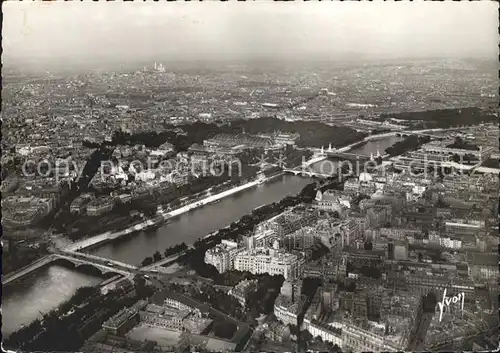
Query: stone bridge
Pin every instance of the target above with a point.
(103, 265)
(98, 260)
(27, 269)
(308, 173)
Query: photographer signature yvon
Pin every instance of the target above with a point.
(446, 302)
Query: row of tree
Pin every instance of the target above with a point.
(445, 118)
(459, 143)
(312, 133)
(410, 143)
(157, 256)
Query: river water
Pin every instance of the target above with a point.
(374, 145)
(48, 287)
(38, 293)
(192, 225)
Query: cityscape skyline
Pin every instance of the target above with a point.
(266, 176)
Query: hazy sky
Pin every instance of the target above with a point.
(261, 29)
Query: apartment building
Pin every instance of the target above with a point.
(272, 261)
(222, 255)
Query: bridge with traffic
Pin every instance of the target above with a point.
(305, 168)
(27, 269)
(305, 172)
(98, 260)
(104, 266)
(79, 259)
(90, 241)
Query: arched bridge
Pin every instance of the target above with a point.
(104, 268)
(335, 151)
(27, 269)
(305, 172)
(342, 152)
(420, 134)
(77, 259)
(98, 260)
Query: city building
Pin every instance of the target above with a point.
(122, 322)
(159, 316)
(242, 289)
(361, 335)
(302, 239)
(483, 266)
(78, 206)
(190, 320)
(328, 333)
(100, 206)
(272, 261)
(289, 222)
(400, 250)
(463, 227)
(233, 140)
(332, 201)
(439, 148)
(422, 282)
(398, 233)
(24, 211)
(425, 311)
(275, 331)
(262, 237)
(450, 242)
(286, 311)
(162, 150)
(179, 302)
(292, 289)
(222, 255)
(359, 258)
(286, 138)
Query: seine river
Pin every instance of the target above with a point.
(192, 225)
(44, 290)
(374, 145)
(38, 293)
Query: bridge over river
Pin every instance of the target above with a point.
(306, 170)
(78, 259)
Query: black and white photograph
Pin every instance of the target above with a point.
(259, 176)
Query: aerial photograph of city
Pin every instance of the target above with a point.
(250, 176)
